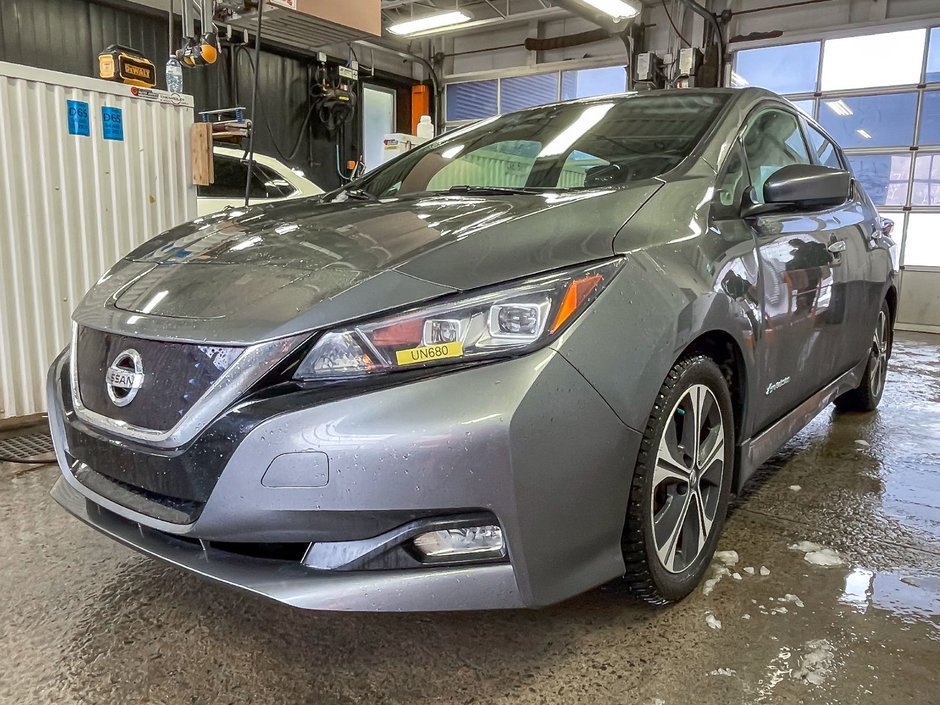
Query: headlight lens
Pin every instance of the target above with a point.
(512, 319)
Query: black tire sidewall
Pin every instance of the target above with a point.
(674, 586)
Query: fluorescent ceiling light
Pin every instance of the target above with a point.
(839, 107)
(617, 9)
(430, 22)
(864, 134)
(571, 134)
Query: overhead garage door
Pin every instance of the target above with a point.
(879, 96)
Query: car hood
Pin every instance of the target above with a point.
(248, 275)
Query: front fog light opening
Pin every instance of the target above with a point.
(471, 543)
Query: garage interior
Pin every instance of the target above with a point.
(826, 588)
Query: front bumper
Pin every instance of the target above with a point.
(527, 441)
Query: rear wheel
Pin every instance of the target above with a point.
(867, 395)
(681, 484)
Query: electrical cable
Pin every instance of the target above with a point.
(21, 461)
(674, 28)
(267, 121)
(254, 102)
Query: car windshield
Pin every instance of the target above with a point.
(570, 146)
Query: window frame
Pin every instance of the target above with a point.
(808, 125)
(752, 117)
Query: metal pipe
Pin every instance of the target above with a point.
(781, 6)
(169, 36)
(720, 42)
(435, 80)
(254, 105)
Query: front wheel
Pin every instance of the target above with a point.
(867, 395)
(681, 483)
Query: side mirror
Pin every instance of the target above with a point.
(801, 187)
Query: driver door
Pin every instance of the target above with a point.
(802, 264)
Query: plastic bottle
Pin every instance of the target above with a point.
(425, 127)
(174, 75)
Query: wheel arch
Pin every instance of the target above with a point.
(891, 297)
(722, 347)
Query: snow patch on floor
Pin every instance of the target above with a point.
(816, 662)
(790, 597)
(862, 443)
(723, 672)
(764, 570)
(709, 585)
(749, 570)
(712, 621)
(737, 576)
(817, 555)
(795, 488)
(727, 558)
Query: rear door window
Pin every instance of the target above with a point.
(231, 175)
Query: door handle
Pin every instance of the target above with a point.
(837, 246)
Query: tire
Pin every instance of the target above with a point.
(663, 550)
(867, 395)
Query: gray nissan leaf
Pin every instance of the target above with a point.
(532, 356)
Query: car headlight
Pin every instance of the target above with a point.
(513, 319)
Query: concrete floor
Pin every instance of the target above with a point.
(84, 620)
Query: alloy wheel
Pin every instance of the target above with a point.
(687, 478)
(879, 355)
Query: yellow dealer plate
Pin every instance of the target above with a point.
(429, 353)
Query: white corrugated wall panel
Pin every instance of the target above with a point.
(74, 205)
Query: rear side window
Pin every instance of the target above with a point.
(772, 141)
(823, 150)
(230, 177)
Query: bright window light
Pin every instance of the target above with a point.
(431, 22)
(571, 134)
(889, 59)
(839, 107)
(615, 8)
(738, 81)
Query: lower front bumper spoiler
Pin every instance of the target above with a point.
(411, 590)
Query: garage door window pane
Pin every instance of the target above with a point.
(471, 101)
(933, 56)
(922, 243)
(591, 82)
(791, 68)
(527, 91)
(883, 176)
(926, 180)
(870, 121)
(930, 118)
(889, 59)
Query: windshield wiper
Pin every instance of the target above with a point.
(495, 190)
(358, 194)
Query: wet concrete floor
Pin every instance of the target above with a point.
(83, 620)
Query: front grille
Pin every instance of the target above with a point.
(176, 375)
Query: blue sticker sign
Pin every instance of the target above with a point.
(79, 123)
(112, 124)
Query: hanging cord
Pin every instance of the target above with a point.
(674, 28)
(290, 156)
(254, 102)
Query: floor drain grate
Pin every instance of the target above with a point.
(31, 446)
